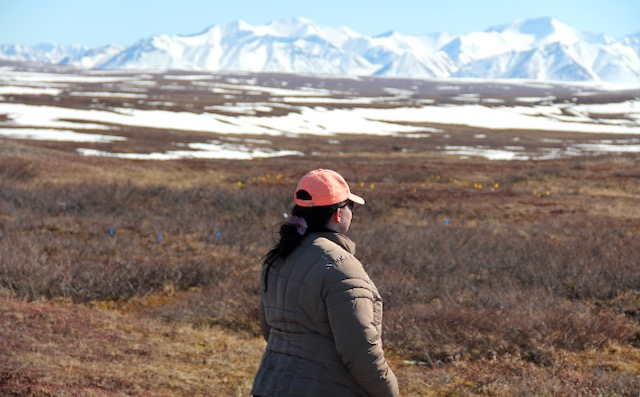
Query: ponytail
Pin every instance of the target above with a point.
(292, 232)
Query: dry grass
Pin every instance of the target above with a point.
(499, 278)
(56, 348)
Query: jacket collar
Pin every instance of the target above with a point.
(339, 239)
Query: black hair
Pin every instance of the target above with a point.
(316, 218)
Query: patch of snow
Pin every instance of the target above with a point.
(372, 121)
(398, 91)
(492, 100)
(186, 77)
(49, 116)
(212, 150)
(109, 94)
(18, 90)
(608, 148)
(491, 154)
(535, 99)
(306, 91)
(56, 135)
(631, 108)
(240, 108)
(158, 103)
(494, 118)
(64, 78)
(467, 98)
(361, 100)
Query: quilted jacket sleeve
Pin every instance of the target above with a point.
(266, 329)
(355, 315)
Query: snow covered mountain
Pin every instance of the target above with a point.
(541, 49)
(55, 53)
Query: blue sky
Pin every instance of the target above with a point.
(98, 22)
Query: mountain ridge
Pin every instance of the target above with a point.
(538, 48)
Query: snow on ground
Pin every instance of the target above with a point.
(303, 92)
(50, 117)
(520, 118)
(324, 99)
(630, 108)
(318, 121)
(109, 94)
(211, 150)
(240, 108)
(323, 121)
(535, 99)
(18, 76)
(491, 154)
(611, 148)
(309, 121)
(304, 117)
(47, 134)
(20, 90)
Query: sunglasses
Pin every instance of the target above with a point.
(347, 203)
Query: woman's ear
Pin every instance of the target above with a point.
(337, 216)
(335, 219)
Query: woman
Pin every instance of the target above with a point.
(320, 312)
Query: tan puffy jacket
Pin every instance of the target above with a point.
(321, 316)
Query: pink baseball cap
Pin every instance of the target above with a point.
(323, 188)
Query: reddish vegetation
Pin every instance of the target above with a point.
(500, 278)
(55, 349)
(134, 278)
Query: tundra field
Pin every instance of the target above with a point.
(508, 257)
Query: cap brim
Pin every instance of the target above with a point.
(356, 199)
